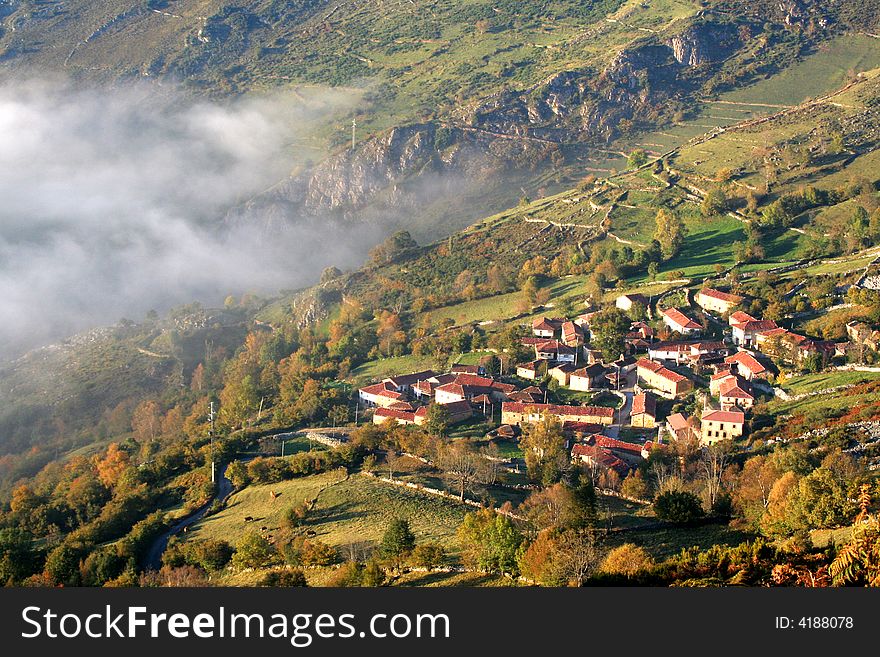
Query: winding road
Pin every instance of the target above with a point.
(153, 560)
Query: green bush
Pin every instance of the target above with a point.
(678, 507)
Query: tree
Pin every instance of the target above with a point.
(609, 329)
(145, 420)
(490, 541)
(437, 419)
(678, 507)
(428, 555)
(544, 447)
(821, 500)
(397, 542)
(714, 203)
(670, 233)
(462, 466)
(18, 559)
(713, 461)
(560, 558)
(253, 551)
(392, 248)
(585, 513)
(529, 292)
(638, 158)
(62, 565)
(548, 508)
(338, 415)
(635, 485)
(753, 486)
(628, 560)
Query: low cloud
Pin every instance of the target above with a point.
(112, 203)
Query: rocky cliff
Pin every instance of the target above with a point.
(504, 135)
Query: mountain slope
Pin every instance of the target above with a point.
(491, 92)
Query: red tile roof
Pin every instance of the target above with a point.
(735, 390)
(612, 443)
(589, 372)
(756, 325)
(661, 371)
(671, 346)
(739, 317)
(407, 416)
(545, 324)
(784, 334)
(581, 427)
(410, 379)
(458, 409)
(383, 389)
(678, 421)
(748, 361)
(679, 318)
(601, 456)
(735, 417)
(645, 403)
(721, 296)
(555, 409)
(452, 388)
(553, 346)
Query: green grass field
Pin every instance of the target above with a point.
(824, 380)
(385, 367)
(360, 509)
(818, 73)
(824, 407)
(667, 542)
(255, 501)
(353, 510)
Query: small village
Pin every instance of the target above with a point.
(693, 374)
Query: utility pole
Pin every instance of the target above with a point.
(213, 465)
(353, 128)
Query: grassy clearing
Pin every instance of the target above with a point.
(255, 501)
(359, 510)
(825, 406)
(385, 367)
(348, 511)
(813, 382)
(667, 542)
(818, 73)
(499, 307)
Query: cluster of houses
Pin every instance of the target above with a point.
(405, 399)
(665, 369)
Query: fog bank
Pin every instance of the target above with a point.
(111, 203)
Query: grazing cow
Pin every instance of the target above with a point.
(311, 532)
(248, 518)
(264, 528)
(274, 495)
